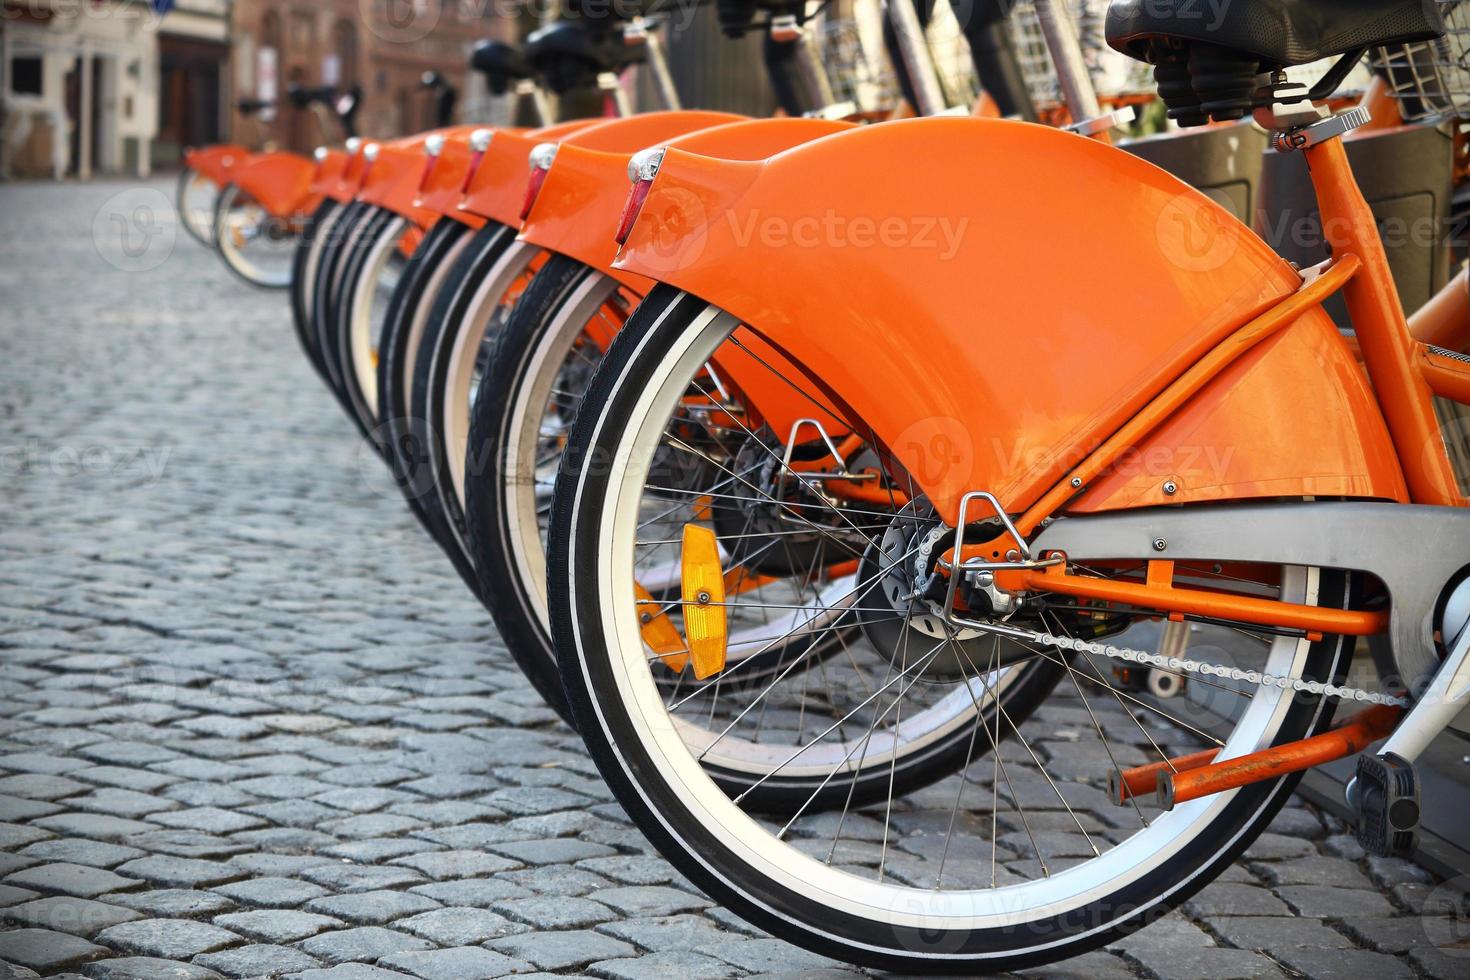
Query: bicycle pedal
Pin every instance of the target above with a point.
(1386, 798)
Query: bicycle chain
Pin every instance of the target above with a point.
(1176, 665)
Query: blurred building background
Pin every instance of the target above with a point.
(123, 86)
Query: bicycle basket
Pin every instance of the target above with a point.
(1431, 79)
(857, 73)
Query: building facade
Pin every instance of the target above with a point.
(122, 86)
(78, 87)
(384, 46)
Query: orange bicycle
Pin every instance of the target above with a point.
(1152, 451)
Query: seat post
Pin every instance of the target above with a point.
(1062, 43)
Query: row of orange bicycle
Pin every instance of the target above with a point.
(953, 536)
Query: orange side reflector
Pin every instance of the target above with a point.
(659, 632)
(704, 597)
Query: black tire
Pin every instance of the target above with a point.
(423, 279)
(345, 230)
(488, 514)
(304, 279)
(380, 229)
(616, 739)
(453, 308)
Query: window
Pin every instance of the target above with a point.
(26, 76)
(344, 46)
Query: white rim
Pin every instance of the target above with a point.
(425, 306)
(248, 224)
(200, 217)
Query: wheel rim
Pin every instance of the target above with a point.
(619, 515)
(493, 298)
(197, 199)
(541, 412)
(257, 245)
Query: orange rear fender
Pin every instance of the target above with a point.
(331, 166)
(216, 162)
(498, 188)
(578, 206)
(577, 209)
(995, 298)
(280, 181)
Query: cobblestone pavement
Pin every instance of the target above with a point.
(251, 724)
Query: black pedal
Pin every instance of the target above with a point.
(1387, 801)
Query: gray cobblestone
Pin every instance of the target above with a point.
(270, 892)
(1328, 962)
(372, 908)
(560, 951)
(179, 872)
(257, 961)
(146, 968)
(77, 916)
(1322, 901)
(447, 865)
(277, 925)
(665, 933)
(678, 964)
(643, 900)
(177, 939)
(46, 951)
(76, 850)
(363, 944)
(71, 879)
(348, 971)
(172, 902)
(458, 963)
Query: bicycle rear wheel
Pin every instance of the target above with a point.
(256, 245)
(1008, 861)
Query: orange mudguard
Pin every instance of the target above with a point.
(995, 298)
(346, 186)
(331, 168)
(393, 179)
(216, 162)
(280, 181)
(498, 189)
(584, 192)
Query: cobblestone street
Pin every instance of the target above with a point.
(252, 724)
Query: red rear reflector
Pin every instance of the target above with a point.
(631, 208)
(469, 175)
(538, 177)
(429, 166)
